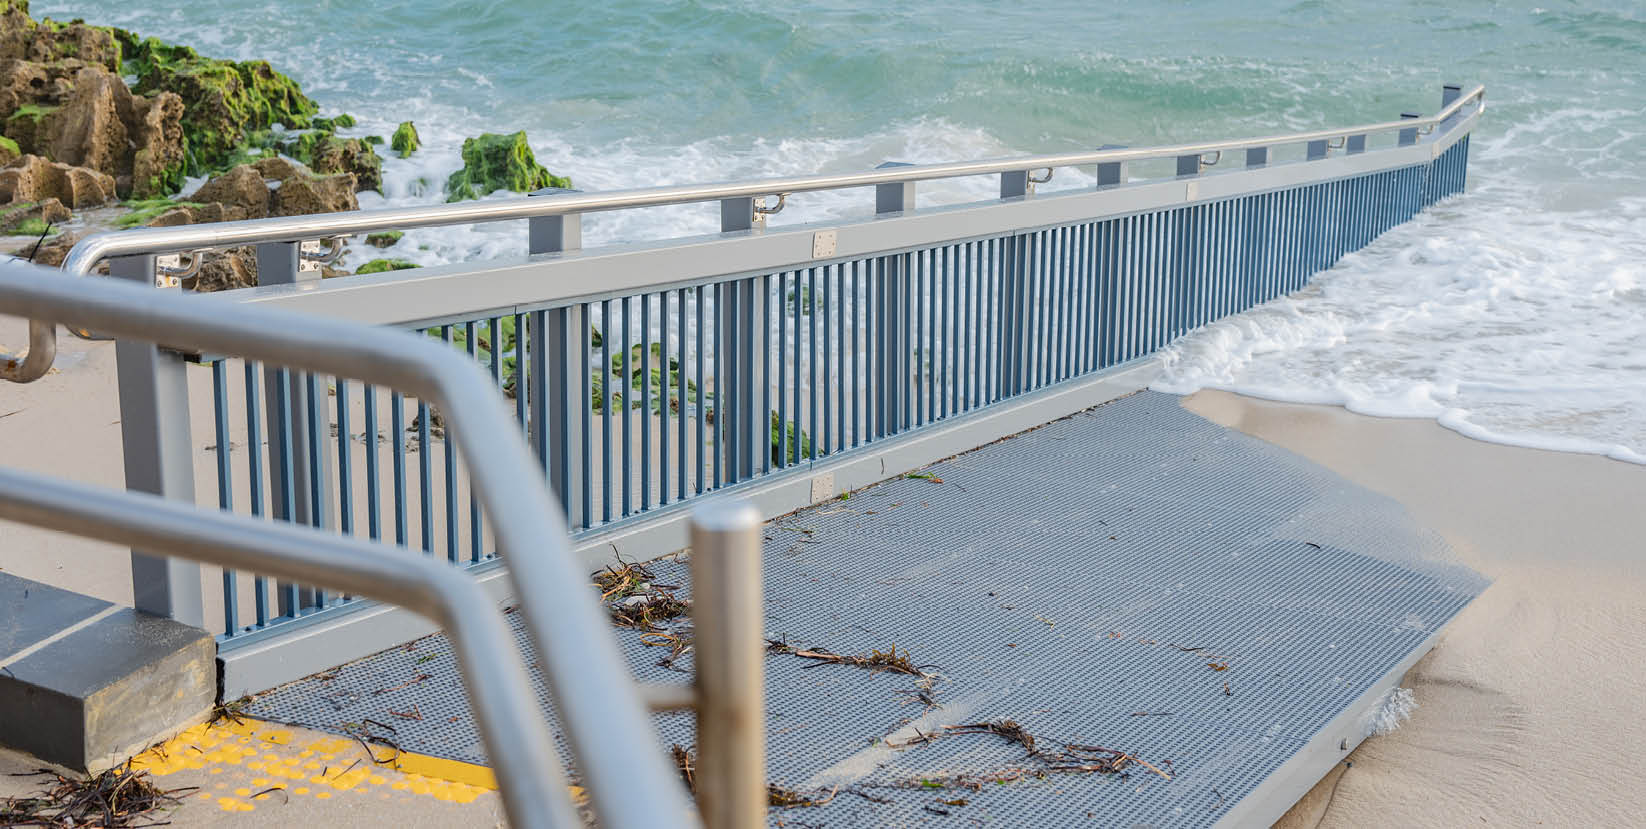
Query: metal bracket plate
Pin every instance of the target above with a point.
(306, 251)
(823, 244)
(165, 262)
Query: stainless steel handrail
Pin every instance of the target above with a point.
(95, 248)
(517, 736)
(598, 702)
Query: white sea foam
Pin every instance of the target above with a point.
(1497, 314)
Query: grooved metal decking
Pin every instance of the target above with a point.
(1090, 580)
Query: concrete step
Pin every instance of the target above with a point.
(85, 684)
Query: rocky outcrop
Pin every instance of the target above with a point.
(405, 140)
(330, 154)
(85, 116)
(242, 187)
(226, 270)
(23, 39)
(32, 178)
(499, 162)
(16, 217)
(271, 187)
(158, 155)
(224, 102)
(301, 195)
(385, 239)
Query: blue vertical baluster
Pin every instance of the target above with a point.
(828, 367)
(288, 489)
(646, 402)
(254, 454)
(811, 362)
(782, 369)
(668, 374)
(225, 485)
(702, 394)
(449, 450)
(345, 461)
(626, 389)
(397, 451)
(606, 397)
(799, 436)
(685, 381)
(723, 397)
(585, 406)
(374, 506)
(767, 434)
(859, 319)
(317, 481)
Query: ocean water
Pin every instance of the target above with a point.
(1516, 312)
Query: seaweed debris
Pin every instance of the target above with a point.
(777, 797)
(115, 799)
(891, 661)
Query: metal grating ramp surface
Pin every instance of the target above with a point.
(1086, 580)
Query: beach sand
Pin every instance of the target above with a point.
(1528, 709)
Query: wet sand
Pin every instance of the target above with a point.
(1528, 710)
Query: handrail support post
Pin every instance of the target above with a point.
(555, 375)
(156, 444)
(739, 316)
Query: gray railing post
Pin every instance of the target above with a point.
(554, 365)
(1354, 145)
(1257, 156)
(1409, 135)
(154, 432)
(280, 263)
(1111, 173)
(1188, 165)
(892, 340)
(1185, 236)
(1449, 93)
(728, 621)
(1014, 255)
(739, 316)
(1316, 150)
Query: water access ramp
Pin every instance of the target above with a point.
(1130, 582)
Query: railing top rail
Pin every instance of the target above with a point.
(98, 247)
(592, 688)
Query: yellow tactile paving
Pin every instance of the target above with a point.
(259, 761)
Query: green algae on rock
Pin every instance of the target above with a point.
(224, 102)
(494, 162)
(385, 239)
(382, 265)
(405, 140)
(325, 152)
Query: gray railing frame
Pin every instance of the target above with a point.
(601, 707)
(558, 275)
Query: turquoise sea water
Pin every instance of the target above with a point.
(1514, 313)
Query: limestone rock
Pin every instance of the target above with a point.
(278, 168)
(348, 155)
(499, 162)
(32, 178)
(241, 187)
(302, 195)
(94, 45)
(157, 134)
(49, 211)
(226, 270)
(89, 129)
